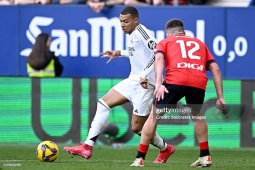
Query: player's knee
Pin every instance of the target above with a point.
(136, 127)
(103, 103)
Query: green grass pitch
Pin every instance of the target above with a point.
(23, 157)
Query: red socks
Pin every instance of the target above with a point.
(142, 151)
(204, 149)
(143, 148)
(204, 145)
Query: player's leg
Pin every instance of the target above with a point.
(149, 132)
(113, 98)
(195, 99)
(201, 130)
(142, 102)
(137, 124)
(147, 135)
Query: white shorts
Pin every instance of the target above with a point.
(140, 98)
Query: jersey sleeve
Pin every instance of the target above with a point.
(150, 43)
(209, 58)
(148, 69)
(160, 48)
(147, 37)
(124, 53)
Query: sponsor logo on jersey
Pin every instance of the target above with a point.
(189, 65)
(131, 50)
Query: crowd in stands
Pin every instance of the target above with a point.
(252, 3)
(98, 5)
(229, 3)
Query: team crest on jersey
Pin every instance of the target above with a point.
(152, 44)
(132, 40)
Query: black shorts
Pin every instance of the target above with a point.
(194, 97)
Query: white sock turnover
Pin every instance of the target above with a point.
(98, 123)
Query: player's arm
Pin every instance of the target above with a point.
(160, 89)
(124, 53)
(217, 79)
(150, 66)
(150, 43)
(213, 67)
(159, 67)
(146, 72)
(114, 54)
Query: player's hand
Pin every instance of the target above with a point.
(160, 90)
(221, 107)
(110, 54)
(144, 83)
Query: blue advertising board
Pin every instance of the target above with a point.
(9, 44)
(79, 35)
(240, 36)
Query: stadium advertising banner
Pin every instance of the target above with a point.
(61, 109)
(79, 35)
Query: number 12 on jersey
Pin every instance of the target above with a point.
(191, 51)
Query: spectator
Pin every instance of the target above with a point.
(66, 2)
(41, 62)
(196, 2)
(185, 2)
(144, 2)
(26, 2)
(99, 5)
(6, 2)
(96, 5)
(252, 3)
(180, 2)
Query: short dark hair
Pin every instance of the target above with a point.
(174, 23)
(130, 10)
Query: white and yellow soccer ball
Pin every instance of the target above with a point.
(47, 151)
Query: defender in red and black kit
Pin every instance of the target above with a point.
(186, 59)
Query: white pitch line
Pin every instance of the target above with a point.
(16, 160)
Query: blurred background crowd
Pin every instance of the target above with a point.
(98, 5)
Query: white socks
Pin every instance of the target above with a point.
(98, 123)
(157, 141)
(100, 120)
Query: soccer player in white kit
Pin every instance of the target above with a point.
(138, 88)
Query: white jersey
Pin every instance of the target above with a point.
(140, 50)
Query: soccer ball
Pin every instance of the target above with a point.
(47, 151)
